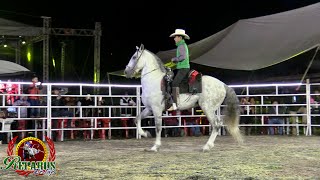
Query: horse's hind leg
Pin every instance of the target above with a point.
(146, 112)
(216, 125)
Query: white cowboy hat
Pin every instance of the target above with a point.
(180, 32)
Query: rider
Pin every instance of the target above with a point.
(182, 62)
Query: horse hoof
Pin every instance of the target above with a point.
(148, 134)
(151, 150)
(205, 149)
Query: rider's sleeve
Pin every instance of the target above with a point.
(182, 52)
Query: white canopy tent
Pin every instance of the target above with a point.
(256, 43)
(8, 68)
(13, 28)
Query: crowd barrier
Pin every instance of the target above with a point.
(97, 118)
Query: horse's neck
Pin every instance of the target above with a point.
(151, 77)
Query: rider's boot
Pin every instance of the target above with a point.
(175, 94)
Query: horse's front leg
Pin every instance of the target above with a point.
(146, 112)
(158, 123)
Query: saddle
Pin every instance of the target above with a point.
(194, 82)
(191, 84)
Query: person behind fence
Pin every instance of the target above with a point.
(171, 121)
(34, 89)
(57, 100)
(11, 89)
(190, 121)
(22, 101)
(275, 109)
(126, 101)
(245, 110)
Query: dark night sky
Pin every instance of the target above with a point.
(126, 25)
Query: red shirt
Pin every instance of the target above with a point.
(33, 89)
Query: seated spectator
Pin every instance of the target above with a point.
(59, 101)
(276, 119)
(195, 130)
(245, 110)
(171, 121)
(59, 112)
(43, 109)
(23, 101)
(70, 101)
(100, 112)
(13, 112)
(126, 101)
(88, 101)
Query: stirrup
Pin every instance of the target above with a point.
(173, 107)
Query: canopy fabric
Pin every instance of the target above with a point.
(13, 28)
(257, 43)
(7, 68)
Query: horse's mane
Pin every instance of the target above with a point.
(160, 63)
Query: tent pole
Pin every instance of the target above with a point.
(310, 63)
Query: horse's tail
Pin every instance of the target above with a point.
(232, 114)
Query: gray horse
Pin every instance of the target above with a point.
(214, 93)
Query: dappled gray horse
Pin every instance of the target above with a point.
(214, 93)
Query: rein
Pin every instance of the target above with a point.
(148, 73)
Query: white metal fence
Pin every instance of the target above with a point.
(293, 97)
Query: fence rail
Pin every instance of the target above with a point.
(288, 95)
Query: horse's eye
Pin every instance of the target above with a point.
(134, 57)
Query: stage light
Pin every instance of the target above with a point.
(29, 56)
(54, 63)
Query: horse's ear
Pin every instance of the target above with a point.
(141, 47)
(137, 47)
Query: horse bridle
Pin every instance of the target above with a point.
(137, 60)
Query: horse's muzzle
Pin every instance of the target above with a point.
(128, 73)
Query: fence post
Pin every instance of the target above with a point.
(138, 109)
(49, 133)
(308, 131)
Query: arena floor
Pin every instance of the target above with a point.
(261, 157)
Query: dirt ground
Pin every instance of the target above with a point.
(261, 157)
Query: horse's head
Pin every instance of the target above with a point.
(136, 63)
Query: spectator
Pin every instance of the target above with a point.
(195, 130)
(20, 124)
(11, 89)
(43, 109)
(34, 89)
(245, 110)
(171, 121)
(59, 101)
(87, 102)
(101, 111)
(126, 101)
(23, 101)
(276, 119)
